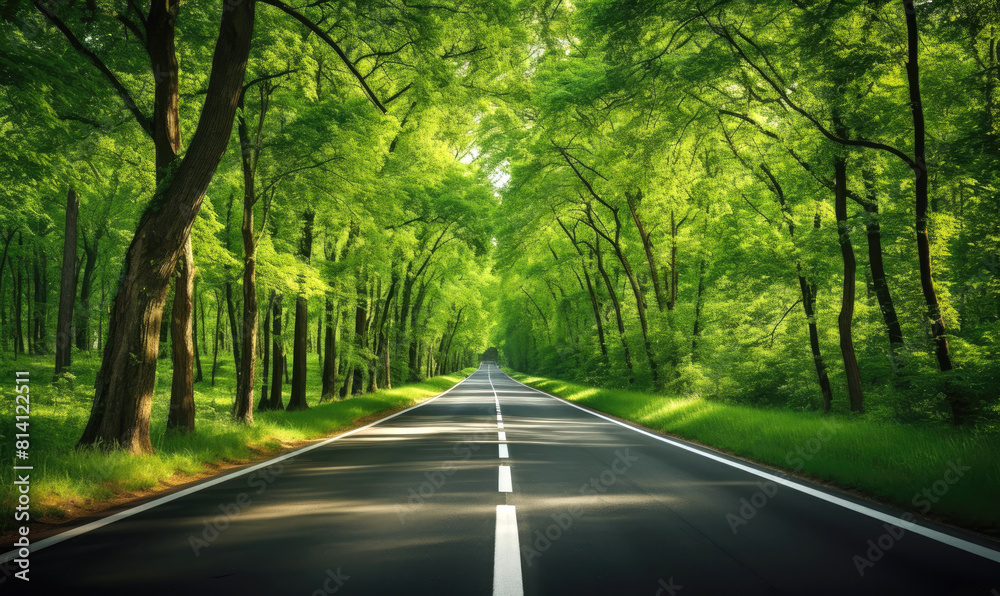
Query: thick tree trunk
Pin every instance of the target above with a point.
(67, 287)
(297, 400)
(124, 388)
(844, 321)
(278, 358)
(181, 415)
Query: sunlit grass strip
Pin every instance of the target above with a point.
(67, 482)
(892, 462)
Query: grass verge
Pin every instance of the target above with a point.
(67, 483)
(905, 466)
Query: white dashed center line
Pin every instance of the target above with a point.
(505, 483)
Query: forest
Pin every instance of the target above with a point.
(782, 204)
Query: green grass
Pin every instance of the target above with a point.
(66, 482)
(893, 463)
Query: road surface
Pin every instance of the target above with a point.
(495, 488)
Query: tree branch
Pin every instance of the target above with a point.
(333, 44)
(144, 121)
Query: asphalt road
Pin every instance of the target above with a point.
(426, 503)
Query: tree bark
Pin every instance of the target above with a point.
(329, 353)
(216, 335)
(234, 332)
(124, 388)
(83, 315)
(879, 278)
(181, 415)
(196, 307)
(16, 272)
(67, 287)
(615, 304)
(647, 245)
(265, 402)
(844, 320)
(246, 380)
(41, 296)
(674, 272)
(920, 173)
(278, 359)
(698, 305)
(297, 400)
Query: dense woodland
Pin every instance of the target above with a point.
(777, 203)
(780, 203)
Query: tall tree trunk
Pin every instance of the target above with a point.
(278, 359)
(808, 290)
(386, 364)
(265, 402)
(216, 336)
(640, 300)
(319, 341)
(329, 353)
(3, 313)
(360, 333)
(597, 310)
(920, 173)
(616, 305)
(234, 332)
(196, 305)
(17, 272)
(41, 295)
(647, 245)
(698, 305)
(674, 271)
(878, 276)
(181, 415)
(844, 321)
(83, 315)
(297, 400)
(67, 287)
(124, 388)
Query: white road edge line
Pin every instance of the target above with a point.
(506, 486)
(970, 547)
(504, 454)
(507, 554)
(94, 525)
